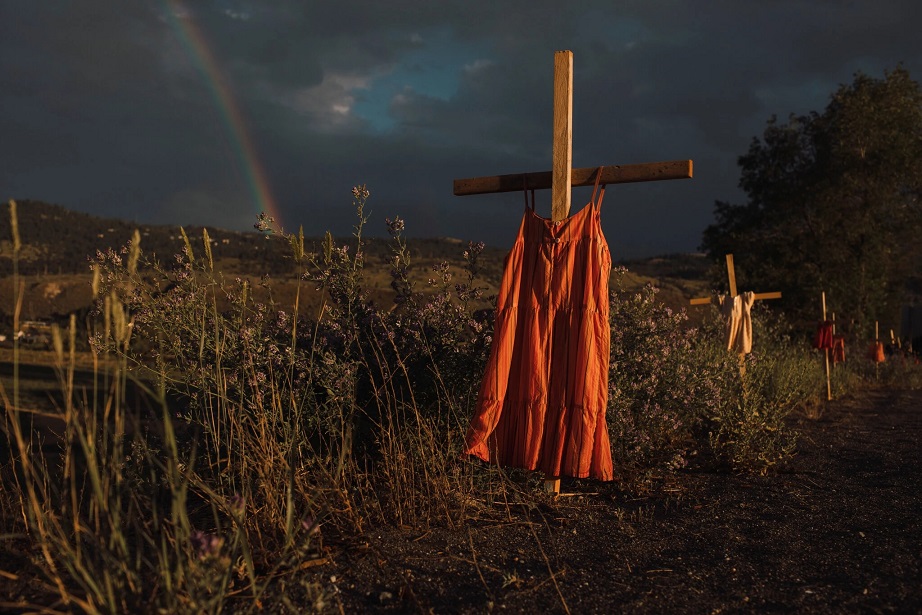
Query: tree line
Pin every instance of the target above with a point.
(834, 205)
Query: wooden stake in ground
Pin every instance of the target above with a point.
(562, 177)
(826, 351)
(731, 276)
(876, 342)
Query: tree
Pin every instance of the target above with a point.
(833, 203)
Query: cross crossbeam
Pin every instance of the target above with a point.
(542, 180)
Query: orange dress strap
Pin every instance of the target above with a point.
(597, 195)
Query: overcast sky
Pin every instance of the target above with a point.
(210, 111)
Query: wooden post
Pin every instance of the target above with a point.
(731, 274)
(562, 163)
(562, 176)
(876, 341)
(562, 166)
(826, 352)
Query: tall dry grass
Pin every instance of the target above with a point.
(265, 432)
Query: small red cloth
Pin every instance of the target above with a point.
(876, 352)
(823, 339)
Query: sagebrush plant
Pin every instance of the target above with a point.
(446, 338)
(661, 382)
(844, 378)
(749, 430)
(675, 391)
(900, 368)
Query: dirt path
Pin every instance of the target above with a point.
(837, 530)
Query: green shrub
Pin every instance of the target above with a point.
(660, 383)
(749, 430)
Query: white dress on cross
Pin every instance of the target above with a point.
(738, 321)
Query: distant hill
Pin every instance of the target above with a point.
(58, 244)
(59, 241)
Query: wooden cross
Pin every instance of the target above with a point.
(562, 176)
(731, 275)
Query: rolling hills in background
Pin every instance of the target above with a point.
(57, 245)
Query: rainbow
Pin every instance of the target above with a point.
(195, 41)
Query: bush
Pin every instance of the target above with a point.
(749, 429)
(675, 391)
(659, 382)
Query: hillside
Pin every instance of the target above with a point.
(58, 244)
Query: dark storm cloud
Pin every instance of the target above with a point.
(106, 107)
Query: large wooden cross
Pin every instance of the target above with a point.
(563, 177)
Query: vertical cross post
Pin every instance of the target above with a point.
(876, 342)
(562, 152)
(731, 275)
(826, 351)
(562, 164)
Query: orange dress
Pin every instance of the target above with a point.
(543, 396)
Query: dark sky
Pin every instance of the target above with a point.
(209, 112)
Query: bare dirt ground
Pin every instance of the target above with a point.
(835, 530)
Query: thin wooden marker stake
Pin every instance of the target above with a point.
(876, 342)
(826, 352)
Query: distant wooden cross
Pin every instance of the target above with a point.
(562, 176)
(731, 275)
